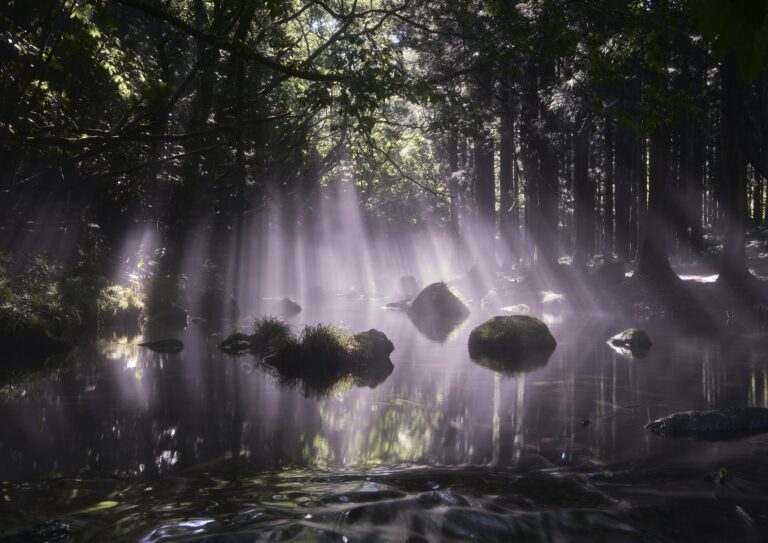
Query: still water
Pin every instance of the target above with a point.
(123, 444)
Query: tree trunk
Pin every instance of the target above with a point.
(653, 263)
(583, 196)
(733, 266)
(608, 194)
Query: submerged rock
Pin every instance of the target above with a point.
(634, 340)
(511, 344)
(742, 421)
(164, 345)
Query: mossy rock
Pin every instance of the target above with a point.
(437, 302)
(634, 340)
(288, 307)
(373, 345)
(511, 344)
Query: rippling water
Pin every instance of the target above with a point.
(120, 443)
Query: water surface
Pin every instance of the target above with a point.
(120, 443)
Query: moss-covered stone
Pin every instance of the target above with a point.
(437, 302)
(511, 344)
(288, 307)
(510, 334)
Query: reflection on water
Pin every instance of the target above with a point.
(199, 442)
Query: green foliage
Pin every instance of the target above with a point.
(739, 27)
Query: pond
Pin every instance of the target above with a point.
(119, 443)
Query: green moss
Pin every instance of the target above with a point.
(501, 335)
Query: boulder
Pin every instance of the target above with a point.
(409, 287)
(373, 345)
(288, 307)
(437, 303)
(511, 337)
(741, 421)
(164, 345)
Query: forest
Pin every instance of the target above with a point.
(349, 267)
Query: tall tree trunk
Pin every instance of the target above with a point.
(624, 163)
(452, 150)
(507, 195)
(583, 195)
(733, 266)
(653, 262)
(485, 185)
(608, 194)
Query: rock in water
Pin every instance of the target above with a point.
(637, 341)
(164, 345)
(374, 345)
(742, 421)
(511, 344)
(437, 302)
(409, 287)
(288, 307)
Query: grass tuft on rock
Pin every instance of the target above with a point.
(270, 334)
(318, 358)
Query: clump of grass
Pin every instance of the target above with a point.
(270, 335)
(322, 346)
(319, 358)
